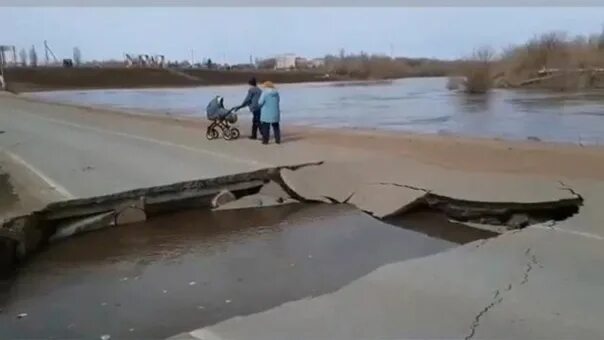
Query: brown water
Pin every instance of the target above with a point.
(8, 197)
(184, 271)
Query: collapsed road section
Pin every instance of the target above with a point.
(313, 182)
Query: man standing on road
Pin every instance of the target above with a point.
(251, 101)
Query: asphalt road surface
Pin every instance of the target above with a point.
(80, 158)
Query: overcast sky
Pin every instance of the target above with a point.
(233, 34)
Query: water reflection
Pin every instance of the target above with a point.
(474, 103)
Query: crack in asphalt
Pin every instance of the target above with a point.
(349, 197)
(496, 300)
(569, 189)
(499, 295)
(404, 186)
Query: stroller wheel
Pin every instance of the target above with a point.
(235, 133)
(226, 134)
(211, 134)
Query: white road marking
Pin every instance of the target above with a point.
(204, 334)
(52, 183)
(157, 141)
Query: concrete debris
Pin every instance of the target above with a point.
(192, 283)
(274, 189)
(21, 315)
(130, 215)
(518, 221)
(385, 200)
(91, 223)
(256, 201)
(326, 183)
(105, 337)
(223, 198)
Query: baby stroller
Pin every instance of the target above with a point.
(222, 120)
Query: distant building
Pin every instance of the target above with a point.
(302, 63)
(285, 61)
(317, 62)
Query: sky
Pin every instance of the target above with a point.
(233, 34)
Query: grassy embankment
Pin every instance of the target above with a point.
(27, 79)
(550, 61)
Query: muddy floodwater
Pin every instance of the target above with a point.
(421, 105)
(180, 272)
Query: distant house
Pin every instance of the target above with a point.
(285, 61)
(317, 62)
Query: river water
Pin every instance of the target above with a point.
(191, 269)
(421, 105)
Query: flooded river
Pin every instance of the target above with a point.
(184, 271)
(421, 105)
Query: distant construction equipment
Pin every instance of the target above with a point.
(5, 52)
(145, 60)
(48, 51)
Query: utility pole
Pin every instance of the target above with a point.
(2, 81)
(46, 51)
(192, 57)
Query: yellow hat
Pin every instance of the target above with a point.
(268, 84)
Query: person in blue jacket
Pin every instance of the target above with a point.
(270, 113)
(251, 101)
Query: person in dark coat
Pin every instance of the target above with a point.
(251, 101)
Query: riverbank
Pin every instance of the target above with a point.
(28, 79)
(448, 151)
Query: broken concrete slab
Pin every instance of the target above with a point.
(339, 183)
(130, 215)
(339, 177)
(70, 228)
(385, 200)
(33, 230)
(275, 190)
(329, 182)
(188, 192)
(223, 198)
(256, 201)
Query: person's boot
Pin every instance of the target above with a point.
(255, 128)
